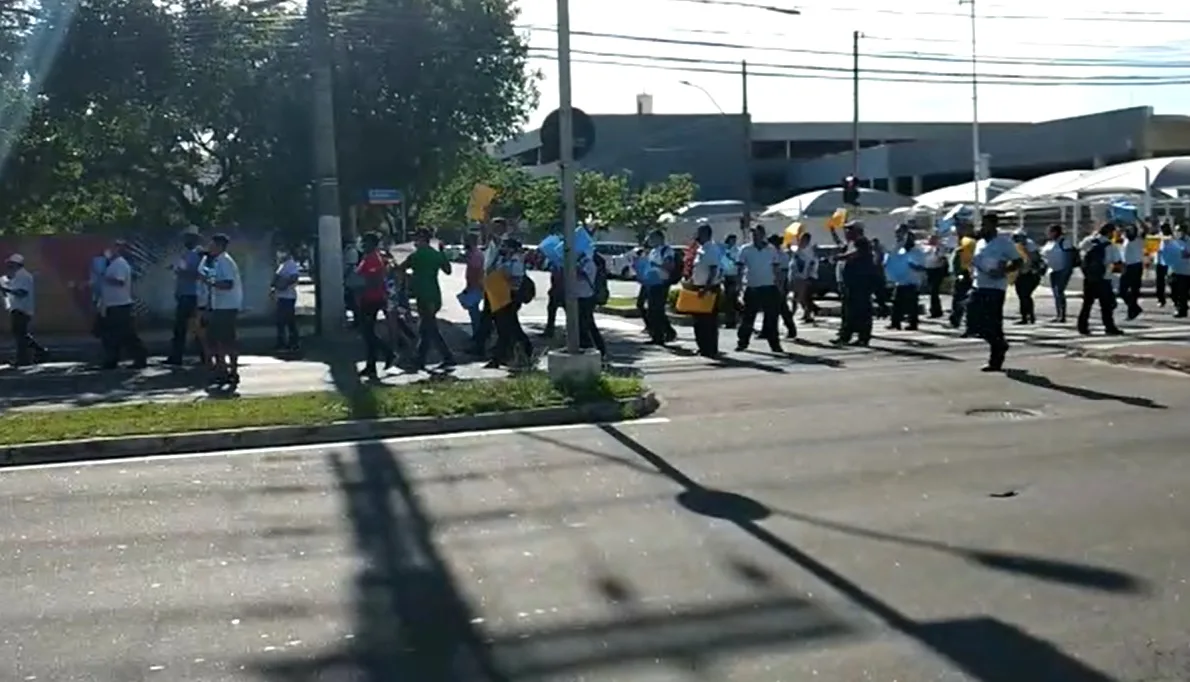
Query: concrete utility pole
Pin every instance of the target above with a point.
(976, 153)
(326, 173)
(746, 217)
(855, 36)
(566, 177)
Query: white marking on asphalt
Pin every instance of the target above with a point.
(315, 447)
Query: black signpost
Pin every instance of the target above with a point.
(551, 134)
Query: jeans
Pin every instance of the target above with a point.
(760, 300)
(428, 334)
(1059, 280)
(1025, 284)
(728, 303)
(1162, 272)
(857, 317)
(375, 348)
(184, 309)
(934, 279)
(1179, 293)
(588, 331)
(904, 306)
(26, 346)
(656, 317)
(119, 334)
(706, 329)
(960, 289)
(1130, 283)
(287, 327)
(985, 318)
(1097, 290)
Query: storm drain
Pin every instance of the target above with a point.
(1007, 413)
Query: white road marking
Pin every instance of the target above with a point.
(315, 447)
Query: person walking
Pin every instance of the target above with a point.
(119, 317)
(662, 265)
(936, 271)
(1060, 258)
(904, 267)
(284, 288)
(759, 267)
(1028, 277)
(1176, 252)
(960, 265)
(587, 290)
(803, 271)
(185, 294)
(706, 278)
(502, 288)
(859, 278)
(1098, 255)
(227, 299)
(471, 297)
(424, 266)
(1132, 255)
(784, 260)
(729, 270)
(17, 286)
(371, 273)
(994, 258)
(1161, 268)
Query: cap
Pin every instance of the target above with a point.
(16, 259)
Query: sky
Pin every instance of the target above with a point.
(1092, 56)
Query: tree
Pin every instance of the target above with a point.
(446, 204)
(654, 200)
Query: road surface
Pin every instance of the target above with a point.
(830, 525)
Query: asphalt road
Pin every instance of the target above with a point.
(828, 525)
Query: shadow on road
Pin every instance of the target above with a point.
(1026, 377)
(983, 647)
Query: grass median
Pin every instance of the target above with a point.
(438, 398)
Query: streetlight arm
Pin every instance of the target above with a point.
(704, 91)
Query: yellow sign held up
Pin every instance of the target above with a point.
(481, 199)
(837, 220)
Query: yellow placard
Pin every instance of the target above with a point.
(481, 199)
(837, 220)
(497, 289)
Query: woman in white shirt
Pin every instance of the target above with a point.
(1132, 253)
(1060, 257)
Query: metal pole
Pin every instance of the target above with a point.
(855, 105)
(976, 154)
(326, 173)
(566, 177)
(746, 216)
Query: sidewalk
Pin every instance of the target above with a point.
(1157, 355)
(86, 348)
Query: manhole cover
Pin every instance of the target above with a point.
(1002, 413)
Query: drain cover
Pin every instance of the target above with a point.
(1002, 413)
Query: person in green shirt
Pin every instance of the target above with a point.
(424, 264)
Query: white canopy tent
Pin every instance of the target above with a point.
(824, 202)
(1038, 187)
(1132, 177)
(964, 193)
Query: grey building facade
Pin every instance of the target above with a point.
(725, 154)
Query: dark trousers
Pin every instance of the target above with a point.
(1025, 284)
(985, 319)
(881, 297)
(904, 306)
(1097, 291)
(1179, 293)
(656, 317)
(759, 300)
(642, 303)
(729, 302)
(1162, 272)
(934, 279)
(555, 302)
(286, 321)
(706, 330)
(1059, 280)
(588, 331)
(119, 335)
(509, 334)
(484, 327)
(857, 317)
(184, 309)
(27, 347)
(786, 312)
(429, 334)
(1130, 281)
(958, 298)
(375, 348)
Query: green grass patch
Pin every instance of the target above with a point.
(434, 398)
(621, 302)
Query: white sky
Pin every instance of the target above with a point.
(1124, 39)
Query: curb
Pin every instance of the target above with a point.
(1131, 359)
(679, 320)
(361, 430)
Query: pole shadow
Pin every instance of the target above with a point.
(1027, 377)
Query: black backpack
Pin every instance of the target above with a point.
(528, 290)
(1094, 261)
(600, 283)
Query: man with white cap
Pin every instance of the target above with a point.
(17, 287)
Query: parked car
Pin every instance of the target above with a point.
(618, 256)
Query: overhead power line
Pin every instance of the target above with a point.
(897, 55)
(1114, 17)
(840, 73)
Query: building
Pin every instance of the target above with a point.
(782, 159)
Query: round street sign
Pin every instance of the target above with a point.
(551, 135)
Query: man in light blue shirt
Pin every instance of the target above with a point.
(905, 267)
(759, 263)
(995, 256)
(730, 272)
(185, 293)
(1176, 253)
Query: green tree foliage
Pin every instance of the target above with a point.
(657, 199)
(197, 111)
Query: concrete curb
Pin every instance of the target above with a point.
(679, 320)
(362, 430)
(1131, 359)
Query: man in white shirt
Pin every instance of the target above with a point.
(905, 267)
(285, 291)
(119, 321)
(1132, 254)
(227, 298)
(706, 277)
(17, 287)
(759, 267)
(803, 271)
(782, 282)
(1098, 257)
(731, 281)
(1176, 254)
(492, 259)
(662, 266)
(995, 256)
(936, 271)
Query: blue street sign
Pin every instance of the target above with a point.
(384, 196)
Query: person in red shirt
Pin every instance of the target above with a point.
(373, 298)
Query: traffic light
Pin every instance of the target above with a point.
(850, 191)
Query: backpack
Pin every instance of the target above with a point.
(1094, 262)
(676, 268)
(528, 290)
(600, 283)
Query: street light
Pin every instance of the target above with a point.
(976, 152)
(706, 92)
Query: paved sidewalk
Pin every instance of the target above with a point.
(1171, 356)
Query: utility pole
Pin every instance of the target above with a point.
(566, 178)
(326, 172)
(976, 152)
(746, 217)
(855, 36)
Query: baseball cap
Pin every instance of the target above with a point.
(16, 259)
